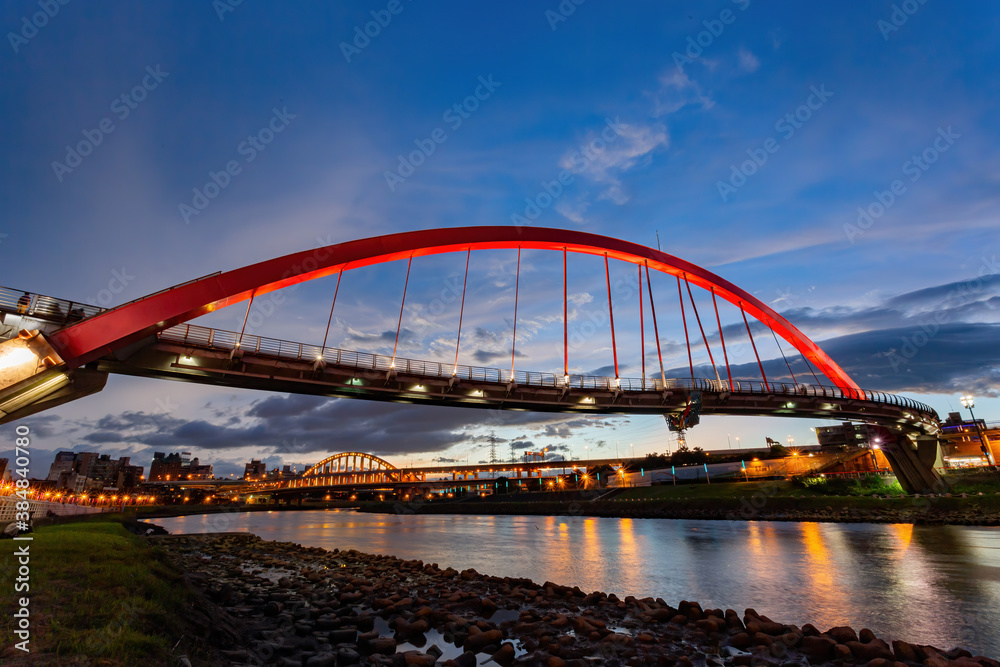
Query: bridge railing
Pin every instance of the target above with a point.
(45, 308)
(198, 336)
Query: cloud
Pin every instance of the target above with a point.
(677, 91)
(934, 340)
(748, 62)
(631, 147)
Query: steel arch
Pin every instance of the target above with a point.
(382, 464)
(103, 334)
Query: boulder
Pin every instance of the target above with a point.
(816, 648)
(843, 634)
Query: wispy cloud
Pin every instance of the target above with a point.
(632, 148)
(748, 62)
(677, 91)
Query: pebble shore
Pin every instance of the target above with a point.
(279, 603)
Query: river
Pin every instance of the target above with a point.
(938, 585)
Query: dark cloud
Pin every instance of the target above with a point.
(309, 427)
(489, 356)
(937, 340)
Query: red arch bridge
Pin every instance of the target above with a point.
(57, 350)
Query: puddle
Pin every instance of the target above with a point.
(434, 638)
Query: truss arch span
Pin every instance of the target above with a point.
(345, 462)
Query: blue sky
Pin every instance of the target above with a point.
(747, 135)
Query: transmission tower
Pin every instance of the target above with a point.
(493, 453)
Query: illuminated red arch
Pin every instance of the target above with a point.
(102, 335)
(377, 464)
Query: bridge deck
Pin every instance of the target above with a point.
(210, 356)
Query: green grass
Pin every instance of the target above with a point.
(99, 596)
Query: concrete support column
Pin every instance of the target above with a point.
(914, 461)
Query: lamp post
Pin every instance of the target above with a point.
(969, 402)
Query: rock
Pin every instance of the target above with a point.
(768, 628)
(347, 656)
(841, 652)
(322, 660)
(742, 640)
(418, 659)
(505, 656)
(478, 642)
(903, 651)
(870, 651)
(384, 645)
(809, 630)
(865, 635)
(843, 634)
(817, 648)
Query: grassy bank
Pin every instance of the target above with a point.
(99, 596)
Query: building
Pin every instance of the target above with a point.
(196, 470)
(286, 472)
(255, 469)
(178, 466)
(81, 472)
(847, 434)
(165, 467)
(4, 470)
(961, 445)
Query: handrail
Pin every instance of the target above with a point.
(194, 335)
(45, 308)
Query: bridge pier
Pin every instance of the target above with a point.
(914, 462)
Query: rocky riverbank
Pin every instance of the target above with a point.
(283, 604)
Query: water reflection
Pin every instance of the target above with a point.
(931, 584)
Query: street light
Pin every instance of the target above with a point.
(969, 402)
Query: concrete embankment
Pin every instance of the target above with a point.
(941, 509)
(281, 603)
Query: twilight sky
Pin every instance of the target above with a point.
(841, 163)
